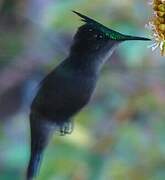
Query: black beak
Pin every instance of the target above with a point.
(132, 38)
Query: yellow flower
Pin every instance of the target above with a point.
(157, 25)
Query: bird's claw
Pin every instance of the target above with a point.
(66, 128)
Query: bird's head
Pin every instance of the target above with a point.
(93, 37)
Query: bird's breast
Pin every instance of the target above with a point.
(80, 89)
(75, 95)
(61, 97)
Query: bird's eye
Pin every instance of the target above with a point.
(100, 36)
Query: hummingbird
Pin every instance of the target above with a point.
(69, 87)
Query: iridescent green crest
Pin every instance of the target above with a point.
(106, 31)
(111, 34)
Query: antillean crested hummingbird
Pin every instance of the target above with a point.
(68, 88)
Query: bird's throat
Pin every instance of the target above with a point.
(91, 62)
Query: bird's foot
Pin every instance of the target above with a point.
(66, 128)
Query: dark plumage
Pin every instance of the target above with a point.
(68, 88)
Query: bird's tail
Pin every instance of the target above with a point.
(40, 132)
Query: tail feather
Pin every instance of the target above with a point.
(40, 132)
(34, 166)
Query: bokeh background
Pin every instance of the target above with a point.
(120, 135)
